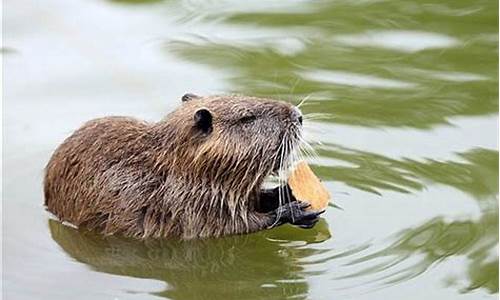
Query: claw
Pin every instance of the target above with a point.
(296, 213)
(303, 204)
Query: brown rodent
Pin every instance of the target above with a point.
(196, 173)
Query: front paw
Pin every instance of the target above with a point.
(296, 213)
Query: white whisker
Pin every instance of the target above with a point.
(318, 116)
(303, 100)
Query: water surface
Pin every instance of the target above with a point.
(403, 105)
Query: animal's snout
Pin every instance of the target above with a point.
(296, 115)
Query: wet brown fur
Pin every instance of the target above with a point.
(119, 175)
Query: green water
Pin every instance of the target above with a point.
(403, 99)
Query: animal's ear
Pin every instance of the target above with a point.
(203, 120)
(189, 97)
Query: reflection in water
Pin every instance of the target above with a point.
(262, 265)
(478, 175)
(351, 79)
(406, 41)
(433, 242)
(430, 102)
(257, 67)
(437, 239)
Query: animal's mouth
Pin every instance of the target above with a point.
(282, 168)
(274, 190)
(277, 178)
(287, 153)
(286, 157)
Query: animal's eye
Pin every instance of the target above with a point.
(248, 119)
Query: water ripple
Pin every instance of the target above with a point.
(399, 40)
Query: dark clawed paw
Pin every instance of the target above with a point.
(296, 213)
(307, 219)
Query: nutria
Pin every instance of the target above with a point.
(197, 173)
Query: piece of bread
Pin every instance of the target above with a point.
(307, 187)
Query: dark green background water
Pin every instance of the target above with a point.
(409, 150)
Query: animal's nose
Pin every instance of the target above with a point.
(297, 115)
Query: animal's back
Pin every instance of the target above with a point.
(90, 169)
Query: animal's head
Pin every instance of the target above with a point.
(233, 138)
